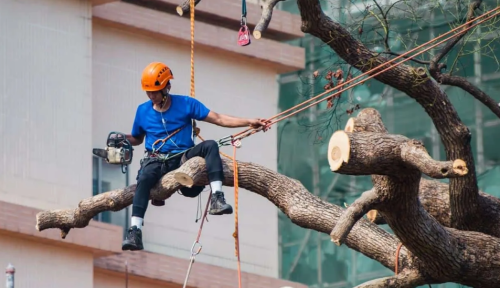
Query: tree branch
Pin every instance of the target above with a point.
(289, 195)
(185, 7)
(473, 90)
(267, 13)
(371, 153)
(433, 195)
(354, 212)
(414, 154)
(454, 134)
(405, 279)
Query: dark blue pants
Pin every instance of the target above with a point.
(152, 170)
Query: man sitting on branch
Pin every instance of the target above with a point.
(167, 115)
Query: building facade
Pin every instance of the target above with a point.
(310, 257)
(71, 74)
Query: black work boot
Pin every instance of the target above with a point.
(133, 241)
(218, 205)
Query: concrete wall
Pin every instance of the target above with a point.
(45, 102)
(41, 265)
(103, 279)
(222, 84)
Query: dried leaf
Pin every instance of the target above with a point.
(329, 104)
(339, 74)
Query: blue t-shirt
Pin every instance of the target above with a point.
(182, 110)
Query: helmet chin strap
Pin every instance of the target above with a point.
(165, 94)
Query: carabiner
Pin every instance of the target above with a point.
(225, 141)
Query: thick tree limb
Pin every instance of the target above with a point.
(267, 13)
(444, 250)
(400, 205)
(185, 7)
(433, 195)
(354, 212)
(371, 153)
(289, 195)
(454, 134)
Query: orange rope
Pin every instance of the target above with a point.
(191, 10)
(397, 258)
(236, 232)
(197, 133)
(249, 132)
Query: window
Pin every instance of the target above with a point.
(106, 177)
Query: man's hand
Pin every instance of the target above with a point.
(257, 123)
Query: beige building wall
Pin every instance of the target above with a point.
(118, 59)
(42, 265)
(104, 279)
(45, 103)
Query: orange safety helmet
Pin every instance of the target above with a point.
(155, 76)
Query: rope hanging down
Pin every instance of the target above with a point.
(196, 132)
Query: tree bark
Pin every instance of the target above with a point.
(445, 251)
(289, 195)
(433, 195)
(266, 16)
(454, 134)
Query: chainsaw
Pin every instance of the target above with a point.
(119, 151)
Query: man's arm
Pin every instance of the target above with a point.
(231, 121)
(135, 141)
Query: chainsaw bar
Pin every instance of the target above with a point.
(103, 153)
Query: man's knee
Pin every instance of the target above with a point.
(210, 145)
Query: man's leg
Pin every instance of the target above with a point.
(148, 176)
(209, 150)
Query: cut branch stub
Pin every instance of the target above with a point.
(265, 18)
(370, 153)
(185, 7)
(413, 153)
(368, 120)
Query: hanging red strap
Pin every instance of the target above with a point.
(244, 33)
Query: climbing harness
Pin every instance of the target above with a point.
(244, 33)
(118, 150)
(235, 139)
(154, 151)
